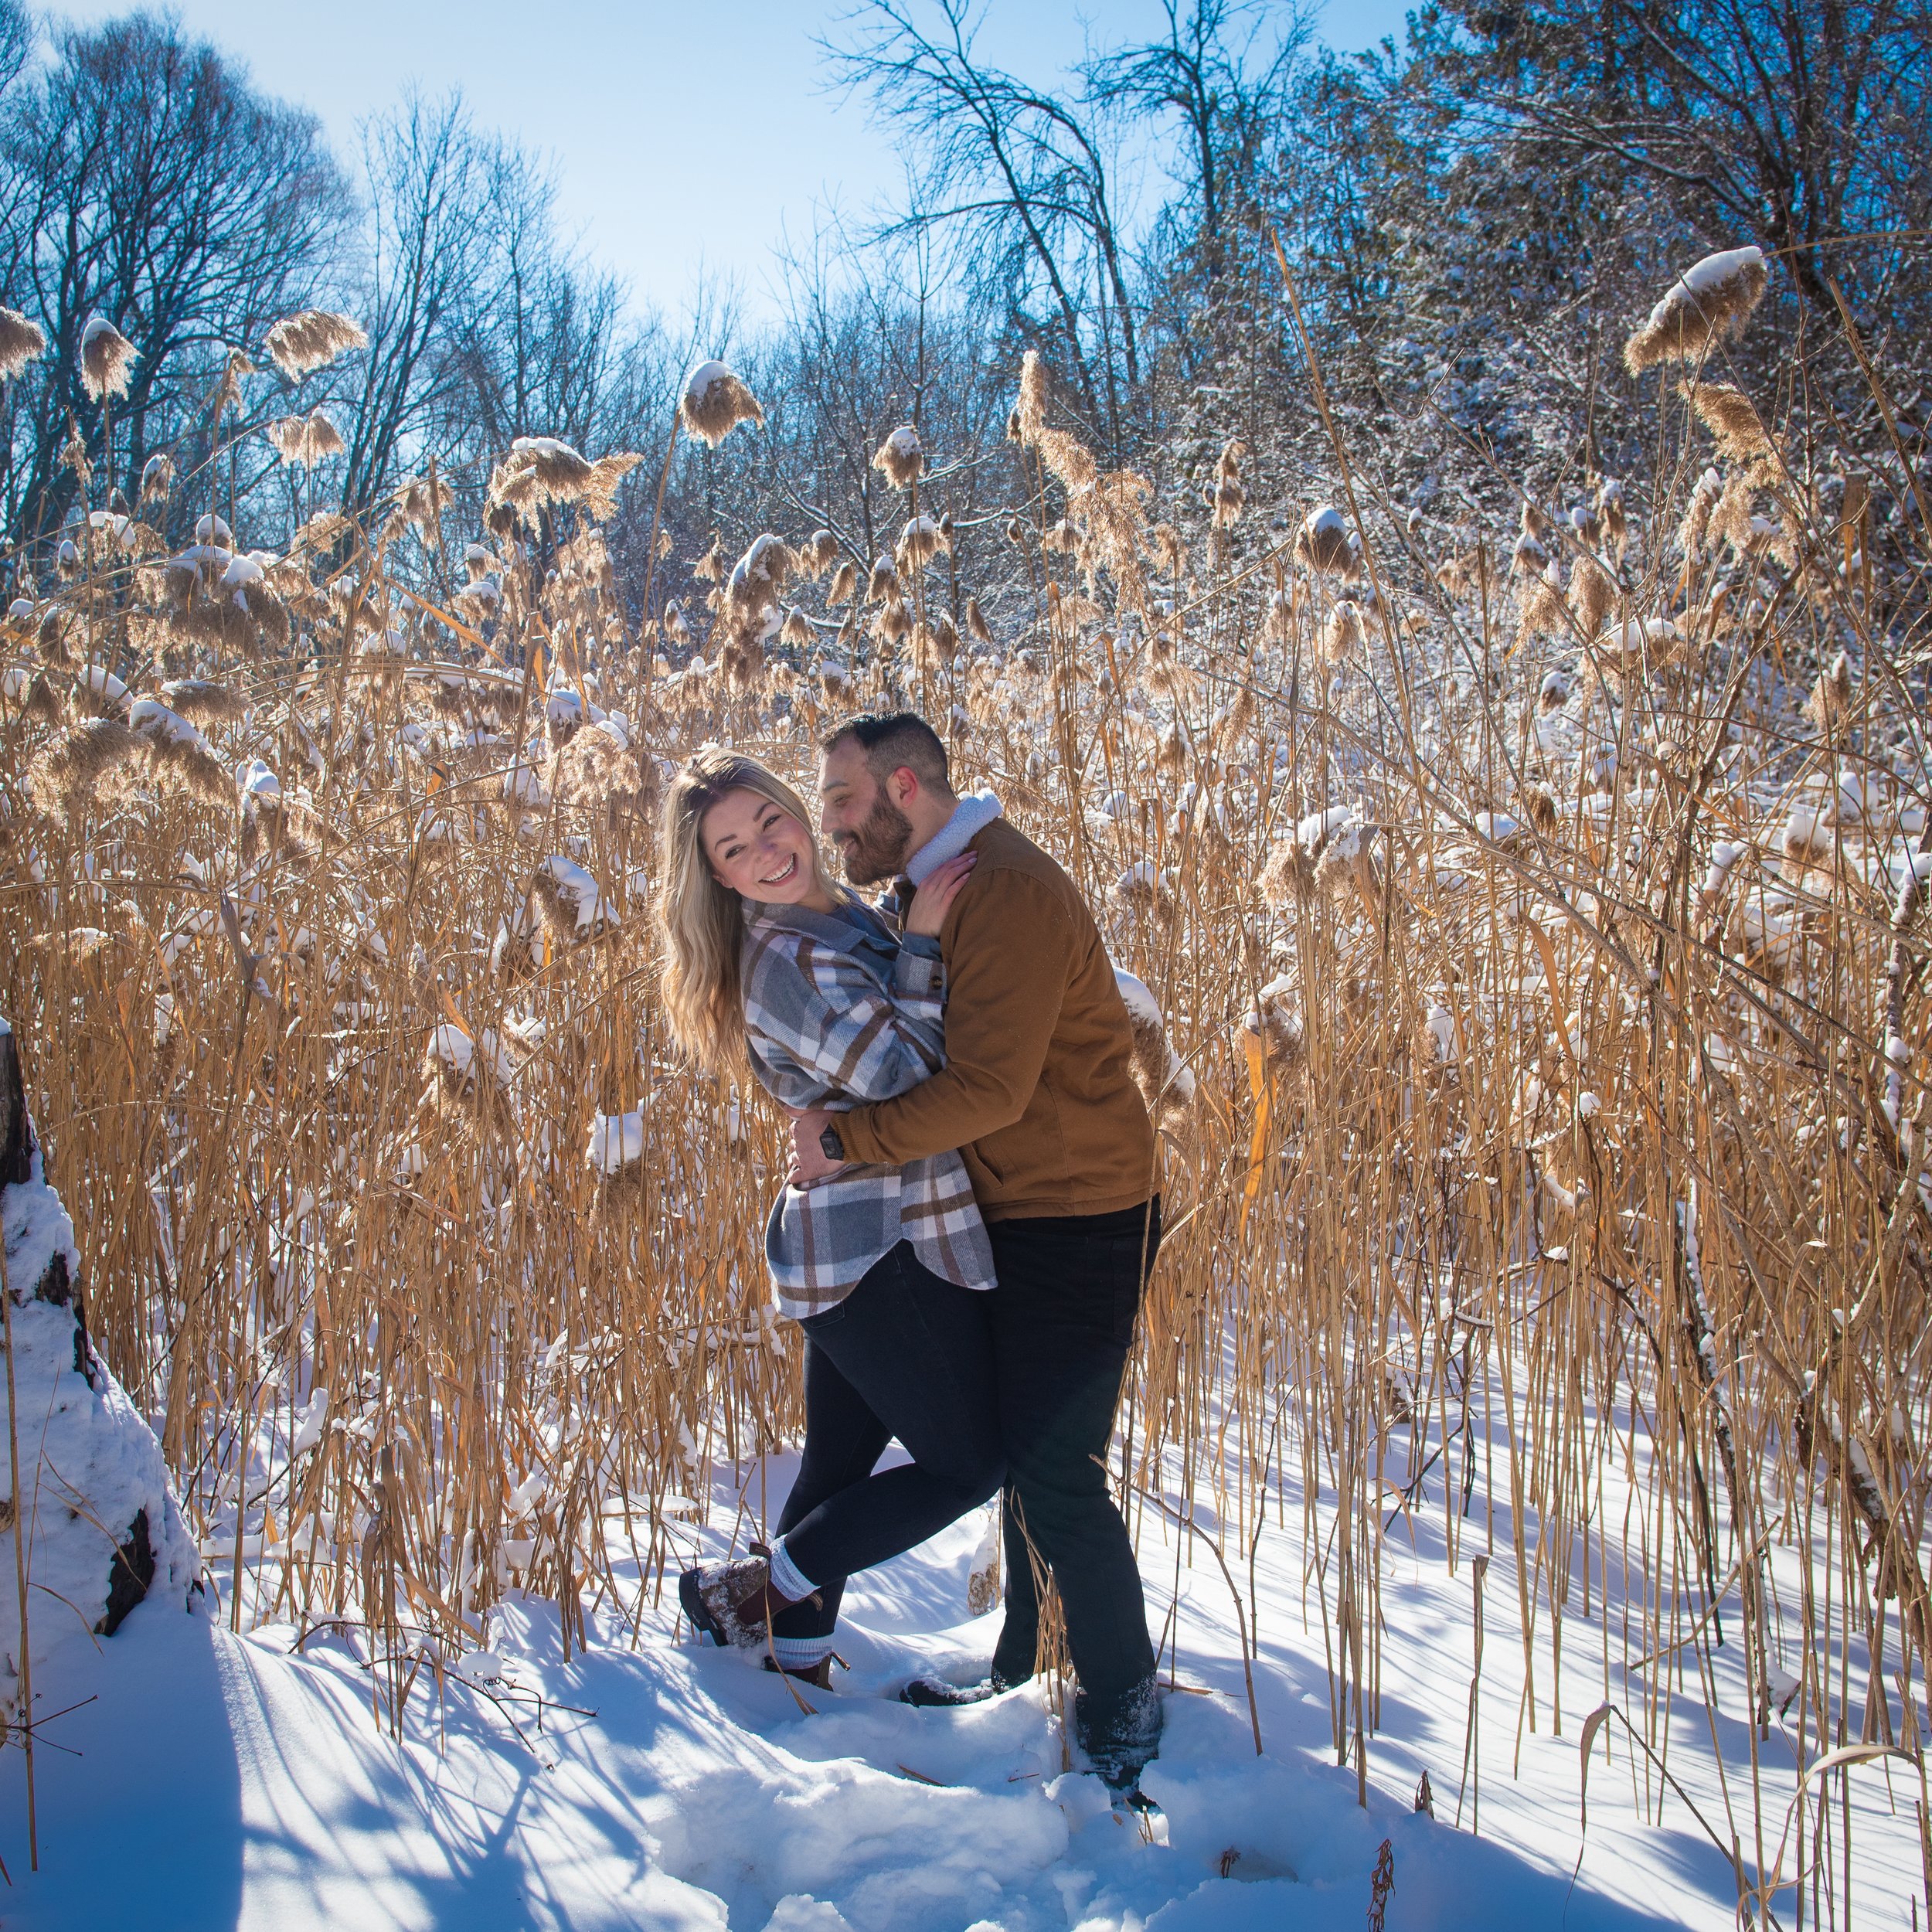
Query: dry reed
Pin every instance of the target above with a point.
(1556, 1049)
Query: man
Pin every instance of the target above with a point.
(1036, 1094)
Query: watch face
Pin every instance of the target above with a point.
(835, 1148)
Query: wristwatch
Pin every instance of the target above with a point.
(828, 1140)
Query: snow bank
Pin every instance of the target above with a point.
(99, 1529)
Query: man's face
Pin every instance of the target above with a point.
(874, 838)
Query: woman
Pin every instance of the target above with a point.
(771, 970)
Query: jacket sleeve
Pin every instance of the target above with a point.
(1007, 962)
(820, 1010)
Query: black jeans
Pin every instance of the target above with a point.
(906, 1354)
(1064, 1314)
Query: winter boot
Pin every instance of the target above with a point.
(818, 1674)
(1121, 1737)
(934, 1693)
(733, 1603)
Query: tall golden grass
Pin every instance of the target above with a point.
(1533, 936)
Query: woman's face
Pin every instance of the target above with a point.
(758, 849)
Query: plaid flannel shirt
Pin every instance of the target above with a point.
(839, 1011)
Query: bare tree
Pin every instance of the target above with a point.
(429, 179)
(1222, 68)
(1017, 178)
(1794, 121)
(149, 183)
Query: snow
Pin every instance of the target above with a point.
(1178, 1078)
(458, 1051)
(1138, 997)
(251, 1786)
(1706, 277)
(102, 683)
(96, 326)
(313, 1420)
(153, 720)
(522, 784)
(903, 441)
(213, 532)
(1634, 633)
(1725, 854)
(1908, 859)
(697, 384)
(453, 1046)
(90, 1466)
(580, 890)
(1714, 270)
(1441, 1025)
(1319, 826)
(755, 566)
(616, 1140)
(1326, 517)
(254, 779)
(1806, 828)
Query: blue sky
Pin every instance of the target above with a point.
(685, 137)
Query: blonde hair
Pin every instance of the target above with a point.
(701, 924)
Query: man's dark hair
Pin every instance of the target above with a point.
(890, 739)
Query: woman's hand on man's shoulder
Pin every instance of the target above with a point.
(934, 899)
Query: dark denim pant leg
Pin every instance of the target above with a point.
(843, 1439)
(1063, 1315)
(917, 1351)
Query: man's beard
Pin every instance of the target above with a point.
(880, 848)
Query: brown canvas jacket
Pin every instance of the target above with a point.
(1036, 1092)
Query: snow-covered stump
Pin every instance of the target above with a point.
(100, 1530)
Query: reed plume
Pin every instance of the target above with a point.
(106, 359)
(1710, 303)
(1322, 546)
(714, 401)
(21, 341)
(901, 458)
(299, 345)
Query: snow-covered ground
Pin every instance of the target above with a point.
(218, 1780)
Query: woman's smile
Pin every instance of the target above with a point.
(758, 848)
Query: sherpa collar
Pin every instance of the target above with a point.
(970, 816)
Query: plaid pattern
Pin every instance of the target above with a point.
(839, 1011)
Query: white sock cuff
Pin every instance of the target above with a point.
(790, 1579)
(800, 1653)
